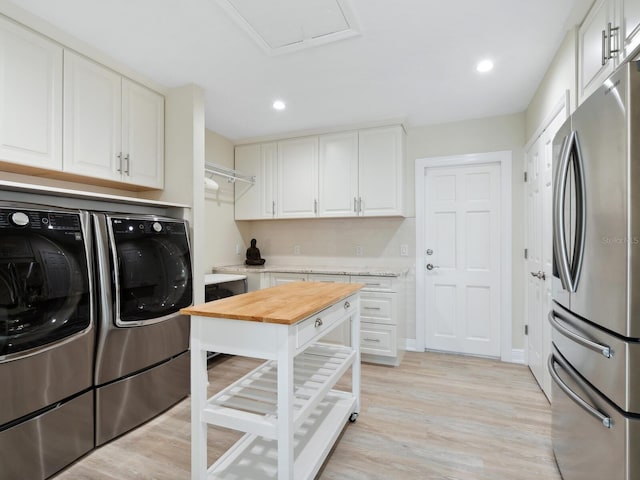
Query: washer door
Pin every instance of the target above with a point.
(44, 290)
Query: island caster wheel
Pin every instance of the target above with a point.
(353, 417)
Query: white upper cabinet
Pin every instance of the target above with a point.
(381, 167)
(92, 113)
(114, 128)
(338, 175)
(256, 201)
(297, 183)
(30, 98)
(598, 46)
(630, 14)
(142, 135)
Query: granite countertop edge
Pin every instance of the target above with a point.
(319, 269)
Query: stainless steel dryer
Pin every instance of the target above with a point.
(46, 339)
(142, 358)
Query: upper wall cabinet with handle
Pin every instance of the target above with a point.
(30, 98)
(114, 128)
(338, 175)
(380, 171)
(256, 201)
(598, 46)
(297, 173)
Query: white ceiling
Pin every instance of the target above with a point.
(414, 60)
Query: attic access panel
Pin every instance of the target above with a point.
(281, 26)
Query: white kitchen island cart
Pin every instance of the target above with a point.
(288, 407)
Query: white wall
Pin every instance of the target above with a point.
(222, 233)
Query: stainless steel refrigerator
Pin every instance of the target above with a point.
(595, 360)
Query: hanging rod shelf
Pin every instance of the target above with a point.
(230, 174)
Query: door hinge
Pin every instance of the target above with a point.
(526, 253)
(526, 329)
(525, 177)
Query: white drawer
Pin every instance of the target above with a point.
(378, 339)
(374, 283)
(313, 327)
(377, 308)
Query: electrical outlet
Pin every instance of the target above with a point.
(358, 250)
(404, 250)
(296, 249)
(238, 249)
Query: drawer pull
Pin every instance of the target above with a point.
(372, 308)
(377, 340)
(372, 284)
(318, 322)
(347, 305)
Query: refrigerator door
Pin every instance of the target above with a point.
(601, 125)
(591, 438)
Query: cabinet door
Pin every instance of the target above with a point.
(631, 25)
(591, 71)
(338, 175)
(380, 165)
(30, 98)
(92, 119)
(297, 178)
(142, 135)
(256, 201)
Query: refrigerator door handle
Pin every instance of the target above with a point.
(559, 233)
(603, 349)
(604, 419)
(581, 213)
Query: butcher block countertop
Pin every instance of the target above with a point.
(285, 304)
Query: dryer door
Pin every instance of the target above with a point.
(44, 280)
(152, 269)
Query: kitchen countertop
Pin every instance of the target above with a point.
(321, 269)
(284, 304)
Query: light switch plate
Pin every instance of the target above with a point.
(404, 250)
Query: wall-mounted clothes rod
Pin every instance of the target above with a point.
(229, 173)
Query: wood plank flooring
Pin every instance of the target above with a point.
(436, 417)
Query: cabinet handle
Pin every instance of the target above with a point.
(604, 47)
(610, 34)
(372, 308)
(372, 284)
(355, 205)
(377, 340)
(273, 208)
(318, 322)
(315, 206)
(360, 204)
(119, 167)
(126, 159)
(347, 305)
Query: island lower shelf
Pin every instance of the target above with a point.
(256, 457)
(250, 404)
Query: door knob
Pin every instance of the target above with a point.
(430, 266)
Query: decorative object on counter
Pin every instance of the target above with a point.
(253, 255)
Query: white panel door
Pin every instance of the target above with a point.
(30, 98)
(538, 241)
(92, 119)
(258, 200)
(338, 175)
(142, 135)
(297, 178)
(462, 276)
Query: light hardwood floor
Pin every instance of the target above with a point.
(436, 417)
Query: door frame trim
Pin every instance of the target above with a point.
(504, 159)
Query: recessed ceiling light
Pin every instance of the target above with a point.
(279, 105)
(485, 66)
